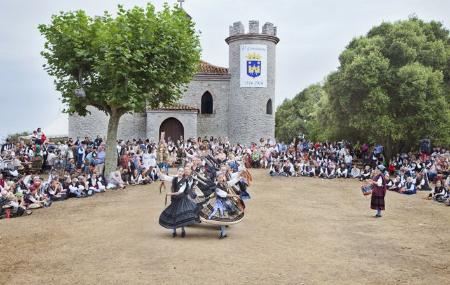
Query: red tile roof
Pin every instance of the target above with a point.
(208, 68)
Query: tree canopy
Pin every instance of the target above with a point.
(138, 58)
(299, 115)
(392, 87)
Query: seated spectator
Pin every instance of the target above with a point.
(275, 169)
(309, 170)
(409, 188)
(356, 172)
(342, 171)
(33, 200)
(439, 193)
(115, 179)
(396, 184)
(366, 174)
(153, 174)
(7, 195)
(95, 183)
(55, 190)
(287, 169)
(76, 189)
(422, 182)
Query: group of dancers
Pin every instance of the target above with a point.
(207, 189)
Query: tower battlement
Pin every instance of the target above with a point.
(253, 28)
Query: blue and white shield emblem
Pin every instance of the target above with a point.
(253, 68)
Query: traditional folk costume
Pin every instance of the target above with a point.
(378, 193)
(182, 211)
(222, 209)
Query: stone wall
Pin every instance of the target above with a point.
(155, 118)
(130, 125)
(215, 124)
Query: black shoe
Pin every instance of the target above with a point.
(222, 236)
(174, 234)
(183, 234)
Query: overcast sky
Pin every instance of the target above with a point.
(312, 35)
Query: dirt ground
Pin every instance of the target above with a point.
(296, 231)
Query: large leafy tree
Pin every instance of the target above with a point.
(124, 63)
(302, 115)
(392, 86)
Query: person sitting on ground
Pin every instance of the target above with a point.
(95, 183)
(356, 172)
(115, 179)
(422, 182)
(439, 193)
(288, 168)
(127, 177)
(55, 190)
(331, 170)
(366, 174)
(76, 189)
(396, 185)
(409, 188)
(34, 201)
(342, 171)
(275, 169)
(153, 174)
(309, 169)
(14, 201)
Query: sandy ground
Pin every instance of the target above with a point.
(296, 231)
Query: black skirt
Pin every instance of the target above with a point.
(377, 202)
(181, 212)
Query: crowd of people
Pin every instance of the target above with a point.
(75, 168)
(406, 173)
(36, 172)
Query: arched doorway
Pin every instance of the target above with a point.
(172, 128)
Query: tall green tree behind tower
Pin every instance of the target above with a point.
(124, 63)
(392, 86)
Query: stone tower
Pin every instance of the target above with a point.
(252, 84)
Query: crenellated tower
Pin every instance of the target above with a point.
(252, 84)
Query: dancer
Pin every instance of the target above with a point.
(379, 191)
(225, 207)
(182, 211)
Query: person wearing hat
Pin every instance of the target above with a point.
(379, 191)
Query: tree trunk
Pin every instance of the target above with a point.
(388, 149)
(111, 142)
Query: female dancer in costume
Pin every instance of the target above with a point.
(379, 191)
(225, 207)
(182, 211)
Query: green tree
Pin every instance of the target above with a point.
(301, 115)
(16, 137)
(392, 86)
(124, 63)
